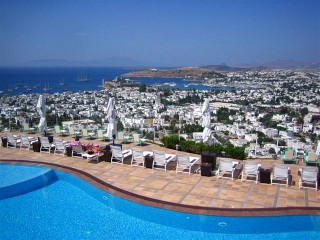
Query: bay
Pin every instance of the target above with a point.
(28, 80)
(16, 81)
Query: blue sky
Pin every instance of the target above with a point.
(160, 33)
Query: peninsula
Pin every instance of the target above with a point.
(184, 72)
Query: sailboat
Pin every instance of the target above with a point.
(46, 87)
(62, 82)
(82, 78)
(37, 85)
(10, 88)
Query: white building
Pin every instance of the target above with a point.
(197, 136)
(251, 137)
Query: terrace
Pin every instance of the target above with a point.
(195, 193)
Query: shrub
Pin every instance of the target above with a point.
(217, 149)
(187, 146)
(197, 148)
(235, 152)
(172, 141)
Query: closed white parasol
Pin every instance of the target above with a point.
(206, 123)
(111, 115)
(41, 108)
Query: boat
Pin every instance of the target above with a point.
(37, 85)
(172, 84)
(27, 88)
(46, 87)
(62, 82)
(82, 78)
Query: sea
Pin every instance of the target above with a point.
(28, 80)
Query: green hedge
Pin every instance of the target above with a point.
(172, 141)
(192, 147)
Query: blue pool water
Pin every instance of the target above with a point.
(20, 173)
(69, 208)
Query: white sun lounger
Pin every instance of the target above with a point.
(308, 175)
(118, 155)
(226, 166)
(77, 151)
(138, 158)
(185, 163)
(161, 159)
(280, 173)
(45, 145)
(250, 169)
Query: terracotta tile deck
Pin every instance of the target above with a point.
(182, 189)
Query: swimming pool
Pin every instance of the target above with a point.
(69, 208)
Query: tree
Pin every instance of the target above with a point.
(281, 128)
(272, 151)
(304, 111)
(166, 92)
(284, 110)
(266, 120)
(315, 118)
(142, 87)
(119, 126)
(313, 137)
(223, 115)
(190, 128)
(282, 143)
(165, 102)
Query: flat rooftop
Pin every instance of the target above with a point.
(194, 193)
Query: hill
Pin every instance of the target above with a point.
(190, 72)
(185, 72)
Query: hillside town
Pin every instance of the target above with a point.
(265, 112)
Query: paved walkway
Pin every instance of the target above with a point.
(181, 188)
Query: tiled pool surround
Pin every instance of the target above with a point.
(97, 182)
(181, 192)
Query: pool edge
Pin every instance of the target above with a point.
(240, 212)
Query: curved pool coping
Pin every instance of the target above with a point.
(236, 212)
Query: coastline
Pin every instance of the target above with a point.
(193, 73)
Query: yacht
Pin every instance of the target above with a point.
(46, 87)
(82, 78)
(172, 84)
